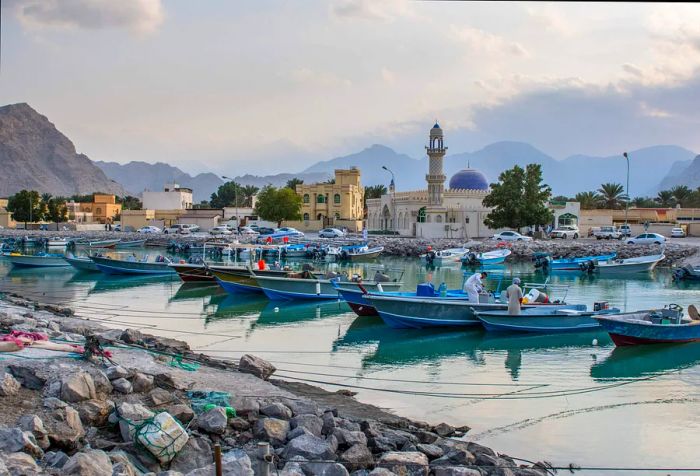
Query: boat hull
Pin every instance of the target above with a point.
(97, 244)
(369, 256)
(628, 267)
(574, 264)
(240, 280)
(286, 289)
(120, 267)
(130, 244)
(402, 313)
(541, 324)
(631, 333)
(193, 273)
(83, 264)
(26, 261)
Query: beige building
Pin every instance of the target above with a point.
(338, 204)
(6, 220)
(173, 197)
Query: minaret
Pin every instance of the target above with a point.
(435, 177)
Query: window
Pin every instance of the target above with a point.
(438, 219)
(306, 198)
(337, 216)
(98, 211)
(421, 215)
(306, 215)
(336, 198)
(321, 199)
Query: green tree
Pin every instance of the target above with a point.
(229, 194)
(560, 199)
(664, 198)
(681, 195)
(644, 202)
(588, 200)
(519, 199)
(26, 206)
(250, 191)
(612, 196)
(292, 183)
(535, 197)
(330, 181)
(130, 203)
(56, 210)
(373, 191)
(278, 204)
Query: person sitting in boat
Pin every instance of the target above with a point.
(514, 293)
(131, 258)
(474, 285)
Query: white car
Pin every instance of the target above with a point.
(246, 230)
(182, 228)
(330, 233)
(149, 229)
(647, 239)
(677, 233)
(289, 231)
(565, 231)
(511, 236)
(220, 230)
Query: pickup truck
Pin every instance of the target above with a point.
(608, 233)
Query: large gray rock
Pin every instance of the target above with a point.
(324, 469)
(55, 459)
(161, 396)
(235, 462)
(408, 463)
(273, 430)
(182, 412)
(247, 406)
(444, 430)
(381, 472)
(123, 463)
(115, 372)
(312, 423)
(276, 410)
(142, 382)
(349, 438)
(455, 457)
(103, 386)
(95, 412)
(213, 421)
(122, 385)
(455, 471)
(88, 463)
(168, 381)
(357, 457)
(78, 387)
(29, 377)
(251, 364)
(20, 464)
(431, 451)
(64, 427)
(8, 385)
(35, 426)
(309, 447)
(130, 416)
(196, 453)
(13, 440)
(302, 406)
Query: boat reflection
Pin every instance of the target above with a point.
(644, 360)
(196, 291)
(105, 283)
(285, 313)
(239, 306)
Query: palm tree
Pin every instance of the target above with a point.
(588, 200)
(612, 195)
(374, 191)
(665, 198)
(292, 183)
(248, 192)
(681, 194)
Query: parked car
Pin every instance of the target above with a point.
(263, 230)
(182, 228)
(565, 231)
(149, 229)
(247, 230)
(330, 233)
(592, 231)
(625, 231)
(677, 233)
(647, 239)
(117, 228)
(221, 230)
(511, 236)
(289, 230)
(608, 233)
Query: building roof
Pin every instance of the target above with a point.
(469, 179)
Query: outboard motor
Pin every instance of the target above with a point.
(471, 257)
(680, 274)
(430, 257)
(541, 261)
(587, 266)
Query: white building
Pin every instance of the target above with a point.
(173, 197)
(436, 212)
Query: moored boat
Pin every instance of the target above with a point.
(81, 263)
(133, 266)
(640, 264)
(39, 260)
(57, 242)
(310, 286)
(437, 258)
(356, 253)
(130, 244)
(572, 264)
(576, 318)
(240, 280)
(688, 272)
(489, 257)
(94, 244)
(660, 326)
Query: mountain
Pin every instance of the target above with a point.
(684, 173)
(34, 155)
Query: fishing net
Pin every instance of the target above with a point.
(161, 435)
(203, 401)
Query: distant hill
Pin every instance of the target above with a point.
(34, 155)
(683, 173)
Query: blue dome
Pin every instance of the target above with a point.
(469, 179)
(436, 126)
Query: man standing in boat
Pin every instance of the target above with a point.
(474, 285)
(515, 296)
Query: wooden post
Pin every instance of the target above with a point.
(217, 460)
(264, 459)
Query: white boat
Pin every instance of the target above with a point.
(39, 260)
(488, 257)
(640, 264)
(437, 258)
(57, 242)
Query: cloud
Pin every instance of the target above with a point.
(388, 76)
(318, 78)
(382, 10)
(484, 42)
(140, 16)
(550, 20)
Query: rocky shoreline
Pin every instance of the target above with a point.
(125, 407)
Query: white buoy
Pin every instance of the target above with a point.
(277, 309)
(595, 342)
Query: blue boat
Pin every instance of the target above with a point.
(575, 318)
(652, 327)
(312, 287)
(133, 267)
(572, 264)
(489, 257)
(39, 260)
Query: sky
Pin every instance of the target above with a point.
(267, 86)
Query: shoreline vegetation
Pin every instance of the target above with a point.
(120, 405)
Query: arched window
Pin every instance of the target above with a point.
(321, 199)
(438, 219)
(428, 219)
(306, 216)
(320, 216)
(421, 215)
(336, 198)
(306, 198)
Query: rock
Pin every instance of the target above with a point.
(409, 463)
(170, 473)
(455, 457)
(292, 468)
(55, 459)
(13, 440)
(276, 410)
(302, 407)
(273, 430)
(122, 385)
(78, 387)
(196, 453)
(239, 424)
(64, 427)
(95, 412)
(426, 437)
(349, 438)
(357, 457)
(312, 423)
(115, 372)
(182, 412)
(160, 396)
(124, 464)
(477, 449)
(247, 407)
(235, 462)
(27, 376)
(324, 469)
(455, 471)
(53, 403)
(213, 421)
(142, 382)
(35, 426)
(309, 447)
(20, 464)
(381, 472)
(168, 381)
(431, 451)
(444, 430)
(131, 336)
(88, 463)
(122, 469)
(9, 385)
(103, 386)
(328, 423)
(251, 364)
(131, 415)
(296, 433)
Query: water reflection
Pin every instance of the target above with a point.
(197, 291)
(644, 360)
(285, 313)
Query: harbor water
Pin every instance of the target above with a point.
(561, 398)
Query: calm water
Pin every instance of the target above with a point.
(559, 398)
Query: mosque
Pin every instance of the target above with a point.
(436, 212)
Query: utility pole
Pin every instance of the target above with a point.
(393, 199)
(627, 203)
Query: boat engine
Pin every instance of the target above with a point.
(471, 258)
(429, 257)
(587, 266)
(541, 262)
(680, 274)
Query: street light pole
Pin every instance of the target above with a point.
(235, 199)
(393, 199)
(627, 203)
